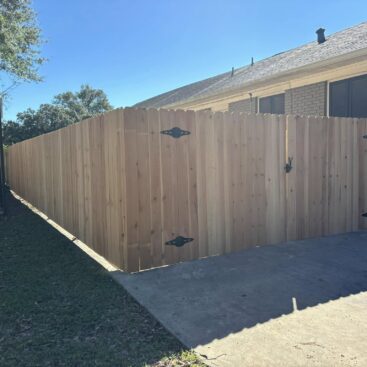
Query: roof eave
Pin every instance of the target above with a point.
(279, 77)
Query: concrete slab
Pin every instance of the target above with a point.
(301, 303)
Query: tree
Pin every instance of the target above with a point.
(67, 108)
(13, 133)
(83, 104)
(20, 39)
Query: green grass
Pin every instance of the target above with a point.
(60, 308)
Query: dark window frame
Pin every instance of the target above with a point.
(272, 100)
(348, 82)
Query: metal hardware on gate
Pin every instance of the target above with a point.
(364, 136)
(179, 241)
(364, 215)
(175, 132)
(288, 167)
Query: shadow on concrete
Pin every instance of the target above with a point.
(208, 299)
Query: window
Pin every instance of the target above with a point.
(272, 104)
(348, 98)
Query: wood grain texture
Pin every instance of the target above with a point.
(125, 189)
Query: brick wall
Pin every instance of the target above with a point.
(246, 105)
(307, 100)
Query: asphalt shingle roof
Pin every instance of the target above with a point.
(337, 44)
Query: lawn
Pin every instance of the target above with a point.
(60, 308)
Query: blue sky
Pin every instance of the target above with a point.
(137, 49)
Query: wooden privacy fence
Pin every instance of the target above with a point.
(145, 188)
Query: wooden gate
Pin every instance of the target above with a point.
(323, 190)
(161, 188)
(201, 184)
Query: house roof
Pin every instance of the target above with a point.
(337, 44)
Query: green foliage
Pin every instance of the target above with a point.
(67, 108)
(20, 39)
(83, 104)
(31, 123)
(12, 133)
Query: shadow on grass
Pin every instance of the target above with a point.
(59, 308)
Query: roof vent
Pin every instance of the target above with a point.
(321, 35)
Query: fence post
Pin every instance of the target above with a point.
(2, 163)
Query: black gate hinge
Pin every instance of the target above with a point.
(364, 215)
(175, 132)
(179, 241)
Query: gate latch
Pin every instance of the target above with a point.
(179, 241)
(288, 167)
(364, 136)
(364, 215)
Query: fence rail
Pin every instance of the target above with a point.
(142, 195)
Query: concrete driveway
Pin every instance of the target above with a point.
(301, 303)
